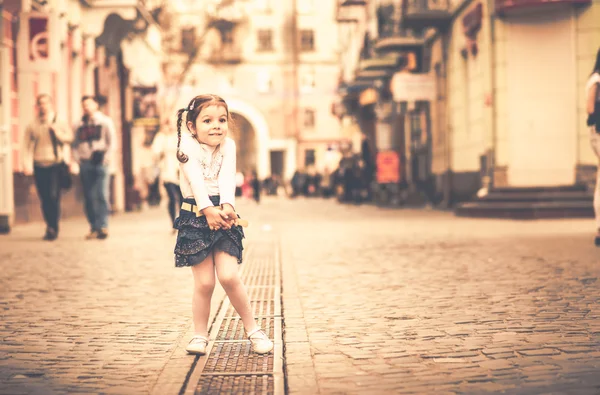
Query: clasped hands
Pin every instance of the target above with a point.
(223, 217)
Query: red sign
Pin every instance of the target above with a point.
(388, 167)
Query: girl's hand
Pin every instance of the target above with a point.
(214, 219)
(228, 214)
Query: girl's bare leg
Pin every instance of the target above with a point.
(227, 272)
(204, 285)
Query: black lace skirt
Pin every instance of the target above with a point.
(195, 241)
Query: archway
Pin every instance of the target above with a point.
(244, 136)
(245, 113)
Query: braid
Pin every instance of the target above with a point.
(181, 157)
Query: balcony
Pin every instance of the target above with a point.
(506, 7)
(226, 14)
(226, 54)
(392, 35)
(424, 14)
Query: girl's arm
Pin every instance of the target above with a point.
(227, 173)
(591, 99)
(193, 173)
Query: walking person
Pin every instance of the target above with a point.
(209, 239)
(93, 148)
(164, 148)
(593, 121)
(43, 155)
(255, 184)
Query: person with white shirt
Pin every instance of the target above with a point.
(593, 121)
(209, 237)
(164, 149)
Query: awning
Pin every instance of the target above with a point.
(398, 43)
(380, 63)
(372, 75)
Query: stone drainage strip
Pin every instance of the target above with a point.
(230, 366)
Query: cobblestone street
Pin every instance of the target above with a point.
(90, 316)
(374, 301)
(423, 302)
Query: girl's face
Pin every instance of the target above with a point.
(211, 125)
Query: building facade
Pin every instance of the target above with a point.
(67, 49)
(276, 65)
(496, 99)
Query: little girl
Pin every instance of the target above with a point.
(208, 235)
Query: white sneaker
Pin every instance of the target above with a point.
(261, 344)
(197, 345)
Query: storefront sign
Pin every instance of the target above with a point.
(413, 87)
(388, 167)
(39, 42)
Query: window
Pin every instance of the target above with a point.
(309, 157)
(265, 40)
(188, 36)
(307, 40)
(309, 118)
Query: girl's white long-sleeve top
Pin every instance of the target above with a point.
(207, 173)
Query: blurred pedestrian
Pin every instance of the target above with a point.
(152, 176)
(164, 149)
(45, 157)
(327, 183)
(246, 186)
(255, 185)
(209, 237)
(95, 141)
(593, 111)
(239, 183)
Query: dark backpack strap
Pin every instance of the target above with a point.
(54, 139)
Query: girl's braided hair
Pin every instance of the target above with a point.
(193, 110)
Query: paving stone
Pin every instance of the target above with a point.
(466, 305)
(101, 316)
